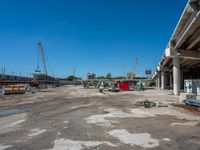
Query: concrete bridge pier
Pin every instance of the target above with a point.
(176, 75)
(158, 80)
(162, 80)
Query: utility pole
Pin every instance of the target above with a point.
(124, 70)
(135, 62)
(4, 70)
(74, 73)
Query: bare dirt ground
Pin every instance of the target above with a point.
(73, 118)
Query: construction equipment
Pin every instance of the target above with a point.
(41, 53)
(130, 85)
(124, 85)
(139, 86)
(41, 76)
(90, 83)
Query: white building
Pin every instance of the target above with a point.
(91, 75)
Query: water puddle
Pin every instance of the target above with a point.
(11, 111)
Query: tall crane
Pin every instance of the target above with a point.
(41, 53)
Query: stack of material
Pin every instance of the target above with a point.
(192, 86)
(186, 96)
(13, 89)
(193, 102)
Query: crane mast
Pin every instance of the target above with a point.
(41, 52)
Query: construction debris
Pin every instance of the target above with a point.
(186, 96)
(149, 104)
(193, 102)
(131, 85)
(189, 108)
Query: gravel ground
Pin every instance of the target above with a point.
(73, 118)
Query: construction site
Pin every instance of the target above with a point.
(159, 111)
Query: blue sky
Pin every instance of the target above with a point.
(90, 35)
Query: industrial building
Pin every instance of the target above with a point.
(181, 58)
(91, 75)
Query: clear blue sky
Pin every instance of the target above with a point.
(91, 35)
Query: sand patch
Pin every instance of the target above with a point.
(139, 139)
(191, 123)
(79, 91)
(166, 139)
(65, 121)
(108, 118)
(35, 132)
(67, 144)
(115, 113)
(82, 106)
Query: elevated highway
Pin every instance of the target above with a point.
(181, 58)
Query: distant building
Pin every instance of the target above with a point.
(130, 75)
(91, 75)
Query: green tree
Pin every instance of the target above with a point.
(101, 77)
(71, 78)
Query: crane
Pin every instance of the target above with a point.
(41, 53)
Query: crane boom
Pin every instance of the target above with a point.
(41, 51)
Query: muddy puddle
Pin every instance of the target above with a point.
(11, 111)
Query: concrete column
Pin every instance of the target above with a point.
(176, 75)
(158, 80)
(170, 80)
(162, 80)
(181, 80)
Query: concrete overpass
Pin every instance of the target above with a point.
(181, 58)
